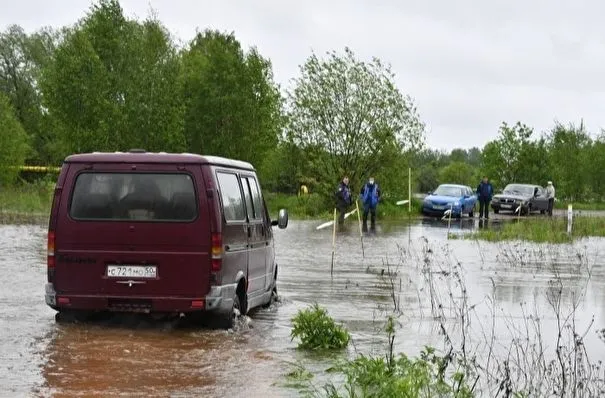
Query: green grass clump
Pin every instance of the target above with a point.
(581, 206)
(424, 376)
(316, 330)
(33, 198)
(552, 230)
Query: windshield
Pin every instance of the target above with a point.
(444, 190)
(519, 189)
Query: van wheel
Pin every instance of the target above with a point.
(228, 320)
(71, 316)
(272, 299)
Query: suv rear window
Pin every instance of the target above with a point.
(134, 196)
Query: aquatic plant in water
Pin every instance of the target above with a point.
(316, 330)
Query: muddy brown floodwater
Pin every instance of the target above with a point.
(39, 357)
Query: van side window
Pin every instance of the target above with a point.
(256, 199)
(248, 196)
(231, 197)
(253, 201)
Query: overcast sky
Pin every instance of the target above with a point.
(469, 65)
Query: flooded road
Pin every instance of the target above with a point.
(39, 357)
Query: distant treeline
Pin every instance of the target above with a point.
(111, 83)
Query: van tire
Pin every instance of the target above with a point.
(71, 316)
(228, 320)
(272, 298)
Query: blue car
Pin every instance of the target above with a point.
(460, 198)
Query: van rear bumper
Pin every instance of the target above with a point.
(219, 299)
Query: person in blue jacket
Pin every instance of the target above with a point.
(370, 196)
(485, 191)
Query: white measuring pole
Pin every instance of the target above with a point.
(409, 189)
(569, 218)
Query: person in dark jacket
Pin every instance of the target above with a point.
(343, 199)
(485, 191)
(370, 196)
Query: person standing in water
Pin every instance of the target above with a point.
(485, 191)
(370, 196)
(343, 199)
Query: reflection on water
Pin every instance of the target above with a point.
(40, 357)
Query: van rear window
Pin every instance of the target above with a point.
(134, 196)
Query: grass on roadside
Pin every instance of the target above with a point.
(33, 198)
(313, 206)
(541, 230)
(596, 206)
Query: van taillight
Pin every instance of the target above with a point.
(50, 256)
(217, 253)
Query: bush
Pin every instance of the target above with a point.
(318, 331)
(14, 143)
(403, 377)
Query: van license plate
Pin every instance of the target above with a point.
(131, 271)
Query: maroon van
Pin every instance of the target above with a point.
(159, 233)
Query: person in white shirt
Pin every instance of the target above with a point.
(550, 194)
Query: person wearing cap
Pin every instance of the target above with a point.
(550, 194)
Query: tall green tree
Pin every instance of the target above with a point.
(514, 158)
(353, 111)
(14, 146)
(232, 106)
(596, 168)
(569, 148)
(457, 173)
(112, 84)
(22, 58)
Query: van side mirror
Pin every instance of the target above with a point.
(282, 219)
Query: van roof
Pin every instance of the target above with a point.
(155, 157)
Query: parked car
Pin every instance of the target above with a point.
(525, 197)
(171, 234)
(459, 198)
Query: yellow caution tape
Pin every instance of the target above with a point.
(40, 169)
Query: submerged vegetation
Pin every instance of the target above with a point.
(550, 230)
(316, 330)
(485, 352)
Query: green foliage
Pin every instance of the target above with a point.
(457, 173)
(34, 198)
(21, 58)
(109, 82)
(402, 377)
(112, 84)
(543, 230)
(316, 330)
(232, 105)
(349, 116)
(303, 206)
(568, 149)
(14, 143)
(514, 157)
